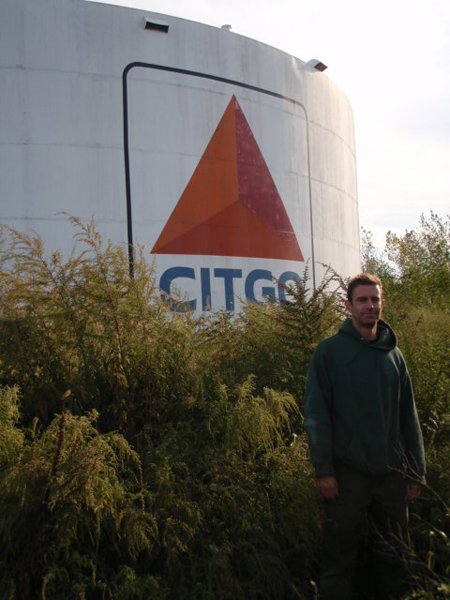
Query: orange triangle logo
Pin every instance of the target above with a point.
(231, 206)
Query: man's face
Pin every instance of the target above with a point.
(366, 305)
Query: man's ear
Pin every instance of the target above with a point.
(348, 305)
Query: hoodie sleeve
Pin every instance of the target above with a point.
(412, 434)
(317, 415)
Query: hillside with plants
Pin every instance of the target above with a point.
(146, 454)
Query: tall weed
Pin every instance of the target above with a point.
(148, 454)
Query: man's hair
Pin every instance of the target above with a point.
(362, 279)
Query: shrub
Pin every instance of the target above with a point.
(149, 454)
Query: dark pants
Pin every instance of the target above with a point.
(366, 506)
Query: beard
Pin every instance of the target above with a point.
(368, 321)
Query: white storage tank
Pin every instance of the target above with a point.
(232, 162)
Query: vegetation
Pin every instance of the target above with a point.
(145, 454)
(415, 269)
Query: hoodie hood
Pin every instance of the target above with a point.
(386, 339)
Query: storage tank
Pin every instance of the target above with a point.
(232, 162)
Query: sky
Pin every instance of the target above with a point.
(391, 58)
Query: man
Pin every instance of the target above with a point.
(365, 443)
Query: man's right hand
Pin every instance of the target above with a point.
(328, 487)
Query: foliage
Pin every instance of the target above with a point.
(422, 260)
(87, 328)
(73, 506)
(148, 454)
(415, 269)
(275, 341)
(414, 266)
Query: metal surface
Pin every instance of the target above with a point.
(232, 162)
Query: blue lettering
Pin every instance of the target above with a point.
(204, 294)
(228, 276)
(205, 279)
(282, 281)
(252, 278)
(165, 284)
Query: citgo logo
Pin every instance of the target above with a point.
(231, 208)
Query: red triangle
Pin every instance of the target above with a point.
(230, 206)
(239, 221)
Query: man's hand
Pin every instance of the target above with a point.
(412, 492)
(328, 487)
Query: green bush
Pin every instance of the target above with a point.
(73, 507)
(416, 276)
(148, 454)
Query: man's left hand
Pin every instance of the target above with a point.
(412, 492)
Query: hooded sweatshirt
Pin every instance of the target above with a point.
(360, 409)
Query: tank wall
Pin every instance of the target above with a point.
(289, 170)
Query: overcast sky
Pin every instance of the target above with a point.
(391, 58)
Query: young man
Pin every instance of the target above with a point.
(365, 443)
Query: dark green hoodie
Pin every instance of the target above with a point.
(360, 408)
